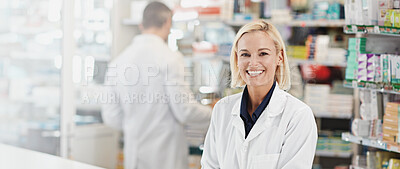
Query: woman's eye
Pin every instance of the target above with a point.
(244, 55)
(263, 53)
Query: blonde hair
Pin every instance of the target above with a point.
(282, 74)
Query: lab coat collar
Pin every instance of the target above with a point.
(275, 106)
(277, 103)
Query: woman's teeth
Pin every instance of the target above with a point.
(255, 73)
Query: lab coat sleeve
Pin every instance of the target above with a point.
(209, 159)
(299, 146)
(185, 107)
(111, 111)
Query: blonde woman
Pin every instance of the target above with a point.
(263, 127)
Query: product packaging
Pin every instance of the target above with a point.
(384, 6)
(373, 12)
(370, 67)
(396, 19)
(352, 66)
(389, 18)
(334, 11)
(360, 127)
(394, 163)
(390, 126)
(395, 69)
(349, 9)
(362, 67)
(359, 13)
(385, 68)
(378, 68)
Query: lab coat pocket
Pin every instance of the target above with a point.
(265, 161)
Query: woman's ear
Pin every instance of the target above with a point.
(280, 57)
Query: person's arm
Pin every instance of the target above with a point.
(209, 159)
(182, 101)
(111, 112)
(300, 141)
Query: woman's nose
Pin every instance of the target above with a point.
(253, 60)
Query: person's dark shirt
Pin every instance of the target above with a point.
(244, 114)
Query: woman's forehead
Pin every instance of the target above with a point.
(257, 39)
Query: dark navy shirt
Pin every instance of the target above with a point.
(250, 121)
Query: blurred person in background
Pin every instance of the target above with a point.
(264, 126)
(151, 103)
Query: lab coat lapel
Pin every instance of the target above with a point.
(274, 108)
(237, 120)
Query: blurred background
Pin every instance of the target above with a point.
(54, 54)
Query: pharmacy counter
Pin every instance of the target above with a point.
(18, 158)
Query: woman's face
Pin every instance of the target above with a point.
(257, 59)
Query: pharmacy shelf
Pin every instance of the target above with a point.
(370, 143)
(333, 115)
(322, 153)
(363, 141)
(325, 63)
(374, 30)
(296, 23)
(354, 85)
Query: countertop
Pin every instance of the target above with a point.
(18, 158)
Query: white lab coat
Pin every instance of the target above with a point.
(284, 136)
(148, 99)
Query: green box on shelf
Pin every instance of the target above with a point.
(352, 65)
(385, 68)
(396, 87)
(357, 44)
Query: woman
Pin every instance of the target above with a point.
(263, 127)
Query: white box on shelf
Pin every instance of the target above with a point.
(349, 12)
(360, 127)
(358, 12)
(373, 12)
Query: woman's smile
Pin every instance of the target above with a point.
(254, 73)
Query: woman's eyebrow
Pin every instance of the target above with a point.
(243, 50)
(264, 49)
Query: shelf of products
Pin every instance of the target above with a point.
(331, 145)
(30, 73)
(364, 86)
(333, 154)
(326, 102)
(372, 29)
(370, 143)
(333, 115)
(314, 62)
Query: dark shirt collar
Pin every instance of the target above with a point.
(250, 121)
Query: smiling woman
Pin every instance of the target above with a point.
(264, 126)
(265, 40)
(256, 61)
